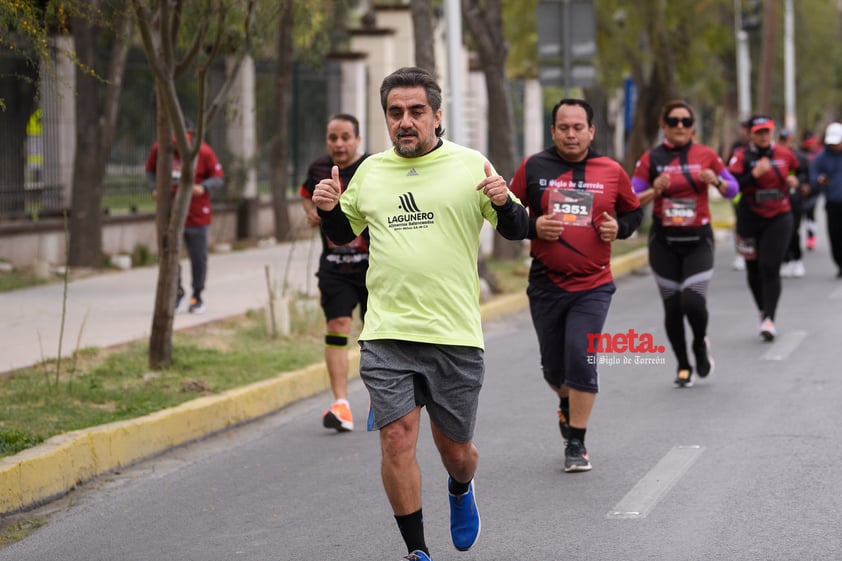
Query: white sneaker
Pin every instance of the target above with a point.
(767, 330)
(739, 263)
(798, 270)
(786, 270)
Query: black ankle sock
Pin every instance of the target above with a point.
(578, 434)
(457, 488)
(412, 531)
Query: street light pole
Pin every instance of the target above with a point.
(567, 43)
(790, 116)
(453, 17)
(743, 64)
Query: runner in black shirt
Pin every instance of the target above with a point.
(342, 268)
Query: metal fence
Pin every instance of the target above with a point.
(27, 188)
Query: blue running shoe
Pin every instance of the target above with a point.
(465, 524)
(416, 555)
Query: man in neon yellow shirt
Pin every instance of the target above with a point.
(424, 202)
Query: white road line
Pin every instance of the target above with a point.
(784, 345)
(643, 497)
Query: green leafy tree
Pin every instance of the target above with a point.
(668, 48)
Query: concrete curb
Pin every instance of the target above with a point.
(46, 472)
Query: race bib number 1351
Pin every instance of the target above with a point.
(573, 208)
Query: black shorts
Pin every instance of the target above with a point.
(340, 294)
(678, 264)
(563, 321)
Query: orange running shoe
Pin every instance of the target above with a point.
(338, 417)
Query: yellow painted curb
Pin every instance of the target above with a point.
(38, 475)
(50, 470)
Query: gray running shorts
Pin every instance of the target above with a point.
(401, 375)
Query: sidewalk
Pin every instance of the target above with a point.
(116, 308)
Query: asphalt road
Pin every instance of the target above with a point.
(743, 466)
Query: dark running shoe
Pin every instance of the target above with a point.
(179, 299)
(704, 360)
(684, 378)
(576, 457)
(564, 424)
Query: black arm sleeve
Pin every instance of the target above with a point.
(512, 220)
(744, 179)
(336, 226)
(532, 234)
(627, 223)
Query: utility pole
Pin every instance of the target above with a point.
(767, 58)
(790, 113)
(743, 64)
(567, 45)
(455, 118)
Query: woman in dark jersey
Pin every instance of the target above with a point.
(766, 173)
(676, 177)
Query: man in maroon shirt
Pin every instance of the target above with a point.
(579, 202)
(209, 177)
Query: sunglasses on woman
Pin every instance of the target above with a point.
(673, 121)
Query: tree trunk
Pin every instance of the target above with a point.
(486, 27)
(95, 124)
(280, 146)
(169, 245)
(86, 199)
(423, 33)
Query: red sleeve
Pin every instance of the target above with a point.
(641, 168)
(627, 201)
(209, 162)
(518, 184)
(152, 160)
(717, 165)
(736, 164)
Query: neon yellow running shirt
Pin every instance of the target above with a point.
(424, 217)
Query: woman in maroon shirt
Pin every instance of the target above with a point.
(676, 177)
(766, 173)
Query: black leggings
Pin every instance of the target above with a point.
(770, 239)
(834, 231)
(683, 271)
(793, 252)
